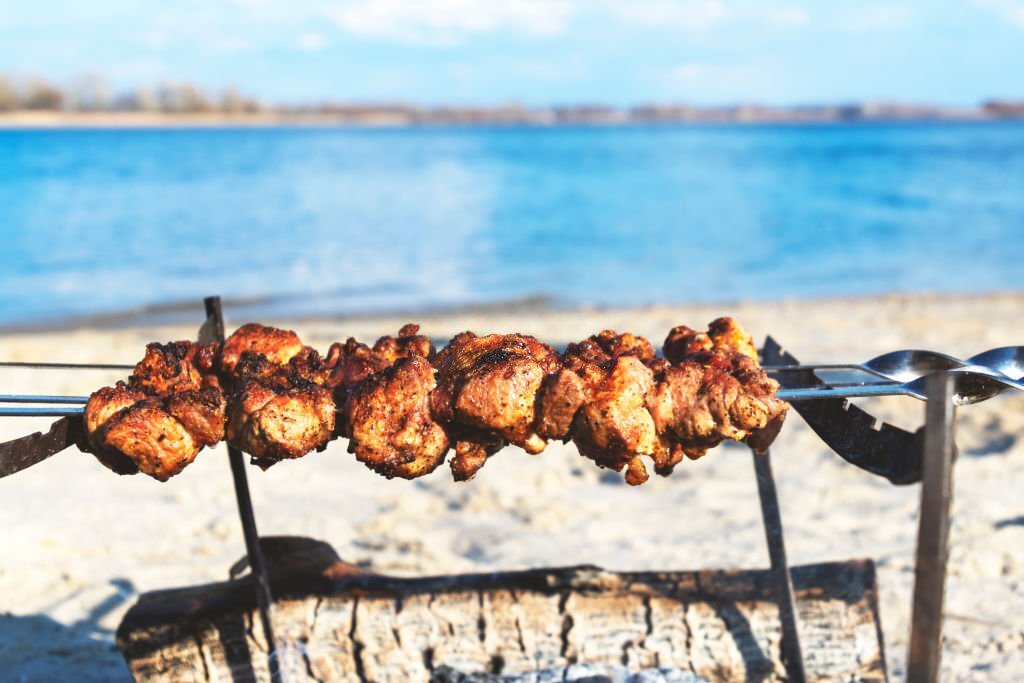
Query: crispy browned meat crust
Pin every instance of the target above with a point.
(403, 405)
(275, 420)
(166, 368)
(280, 411)
(279, 346)
(408, 343)
(130, 431)
(614, 428)
(488, 386)
(388, 420)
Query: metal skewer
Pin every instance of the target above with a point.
(904, 365)
(55, 411)
(65, 366)
(971, 384)
(34, 398)
(909, 364)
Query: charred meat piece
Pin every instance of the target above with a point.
(673, 406)
(155, 441)
(615, 428)
(280, 418)
(408, 343)
(610, 344)
(568, 389)
(306, 366)
(279, 346)
(683, 343)
(388, 420)
(616, 345)
(472, 449)
(203, 413)
(716, 390)
(103, 406)
(350, 363)
(491, 383)
(560, 398)
(757, 384)
(726, 334)
(130, 432)
(165, 368)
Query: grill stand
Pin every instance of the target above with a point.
(925, 651)
(771, 516)
(932, 551)
(213, 330)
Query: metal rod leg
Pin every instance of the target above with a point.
(925, 654)
(792, 656)
(257, 565)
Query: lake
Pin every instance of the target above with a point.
(296, 221)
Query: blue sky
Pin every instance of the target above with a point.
(532, 51)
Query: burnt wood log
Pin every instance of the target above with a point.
(336, 623)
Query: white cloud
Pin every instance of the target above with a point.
(311, 42)
(700, 15)
(448, 22)
(875, 17)
(716, 82)
(1013, 10)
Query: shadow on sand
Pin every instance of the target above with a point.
(36, 647)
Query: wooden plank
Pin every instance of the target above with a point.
(342, 625)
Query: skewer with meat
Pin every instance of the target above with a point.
(286, 397)
(173, 404)
(402, 406)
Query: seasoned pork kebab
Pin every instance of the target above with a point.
(403, 406)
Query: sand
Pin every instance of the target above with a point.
(81, 543)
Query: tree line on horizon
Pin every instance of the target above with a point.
(93, 94)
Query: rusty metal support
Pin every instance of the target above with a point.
(214, 328)
(771, 516)
(925, 654)
(792, 656)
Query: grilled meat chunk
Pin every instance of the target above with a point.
(408, 343)
(560, 398)
(280, 417)
(684, 343)
(490, 384)
(103, 406)
(724, 336)
(203, 412)
(165, 368)
(130, 431)
(472, 449)
(607, 345)
(155, 441)
(279, 346)
(351, 363)
(717, 390)
(388, 420)
(614, 428)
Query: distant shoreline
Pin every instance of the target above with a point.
(19, 120)
(187, 312)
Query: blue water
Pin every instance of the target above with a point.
(319, 221)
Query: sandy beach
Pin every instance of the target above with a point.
(80, 543)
